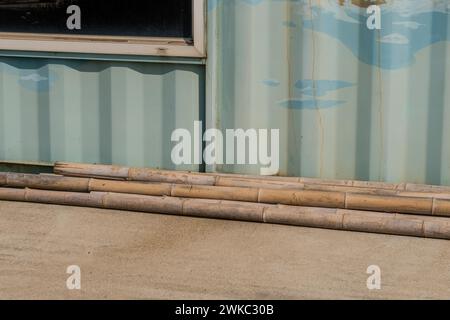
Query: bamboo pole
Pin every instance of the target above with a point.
(92, 171)
(230, 180)
(44, 181)
(150, 189)
(216, 193)
(338, 219)
(399, 203)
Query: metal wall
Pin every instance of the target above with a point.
(350, 102)
(96, 111)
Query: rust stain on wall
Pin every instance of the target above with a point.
(363, 3)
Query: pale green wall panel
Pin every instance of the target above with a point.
(350, 103)
(96, 111)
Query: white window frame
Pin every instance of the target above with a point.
(119, 45)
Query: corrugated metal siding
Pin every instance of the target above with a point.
(350, 102)
(96, 112)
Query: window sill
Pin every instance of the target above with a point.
(162, 47)
(101, 57)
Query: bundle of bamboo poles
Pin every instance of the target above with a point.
(403, 209)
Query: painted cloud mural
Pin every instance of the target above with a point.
(408, 27)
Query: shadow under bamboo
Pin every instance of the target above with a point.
(337, 219)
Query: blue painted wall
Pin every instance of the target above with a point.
(350, 102)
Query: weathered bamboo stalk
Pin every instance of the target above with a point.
(306, 198)
(2, 179)
(150, 189)
(44, 181)
(338, 219)
(230, 180)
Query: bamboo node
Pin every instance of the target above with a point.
(433, 208)
(259, 195)
(264, 213)
(345, 200)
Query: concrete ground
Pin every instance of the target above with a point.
(124, 255)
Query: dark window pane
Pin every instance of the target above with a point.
(142, 18)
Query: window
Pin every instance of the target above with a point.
(137, 27)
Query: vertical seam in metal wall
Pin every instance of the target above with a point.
(290, 80)
(313, 76)
(380, 110)
(212, 117)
